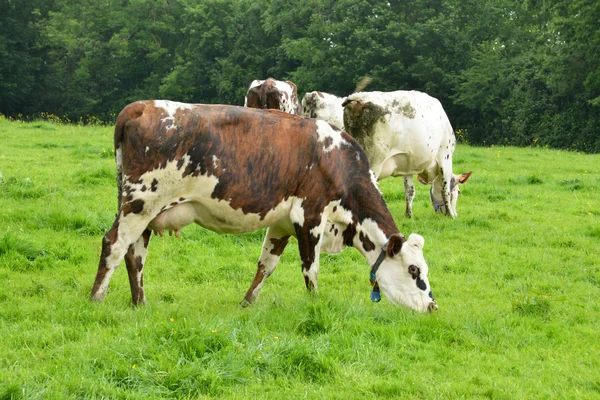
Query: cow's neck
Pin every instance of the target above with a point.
(370, 240)
(371, 232)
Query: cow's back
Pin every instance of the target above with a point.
(392, 124)
(252, 159)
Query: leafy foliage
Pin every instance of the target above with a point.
(507, 72)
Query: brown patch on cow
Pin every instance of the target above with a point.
(349, 234)
(109, 239)
(154, 185)
(279, 245)
(394, 244)
(113, 233)
(135, 206)
(258, 278)
(367, 244)
(310, 107)
(360, 119)
(268, 96)
(405, 109)
(327, 142)
(182, 199)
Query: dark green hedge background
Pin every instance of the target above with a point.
(507, 72)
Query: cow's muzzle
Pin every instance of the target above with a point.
(432, 307)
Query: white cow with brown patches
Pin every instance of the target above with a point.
(273, 94)
(406, 133)
(324, 106)
(233, 170)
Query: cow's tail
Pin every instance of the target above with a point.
(130, 113)
(362, 84)
(119, 135)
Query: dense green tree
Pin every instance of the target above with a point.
(506, 71)
(108, 53)
(22, 65)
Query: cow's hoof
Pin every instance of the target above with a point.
(245, 303)
(139, 302)
(98, 297)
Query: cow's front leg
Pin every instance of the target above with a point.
(273, 246)
(309, 236)
(134, 260)
(446, 179)
(409, 194)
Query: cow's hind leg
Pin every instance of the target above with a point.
(273, 246)
(134, 260)
(409, 194)
(309, 245)
(125, 231)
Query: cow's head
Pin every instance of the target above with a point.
(435, 193)
(402, 275)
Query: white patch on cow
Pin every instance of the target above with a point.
(317, 231)
(256, 83)
(325, 131)
(374, 180)
(166, 213)
(284, 87)
(147, 148)
(297, 212)
(285, 98)
(324, 106)
(139, 248)
(266, 251)
(215, 161)
(373, 231)
(336, 223)
(171, 107)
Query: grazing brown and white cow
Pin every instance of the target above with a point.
(406, 133)
(324, 106)
(233, 170)
(273, 94)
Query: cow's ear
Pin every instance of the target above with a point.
(462, 178)
(421, 180)
(394, 244)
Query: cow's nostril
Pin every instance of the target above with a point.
(432, 307)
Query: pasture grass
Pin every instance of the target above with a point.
(516, 277)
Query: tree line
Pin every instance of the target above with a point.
(515, 72)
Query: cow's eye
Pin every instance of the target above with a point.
(414, 271)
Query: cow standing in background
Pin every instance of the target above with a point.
(324, 106)
(406, 133)
(328, 107)
(233, 170)
(273, 94)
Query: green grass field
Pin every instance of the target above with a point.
(516, 277)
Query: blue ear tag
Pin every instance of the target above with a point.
(437, 207)
(375, 296)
